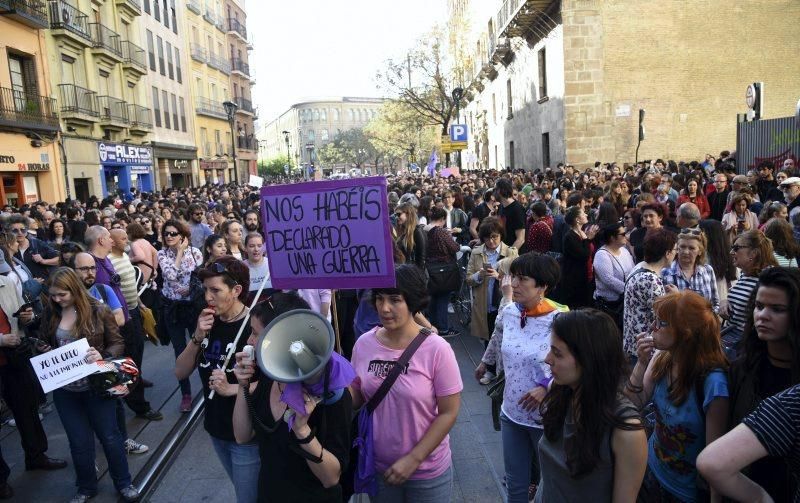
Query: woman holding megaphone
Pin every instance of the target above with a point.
(302, 462)
(226, 281)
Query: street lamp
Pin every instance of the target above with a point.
(310, 148)
(230, 109)
(286, 138)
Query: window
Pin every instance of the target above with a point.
(336, 115)
(316, 115)
(178, 65)
(23, 79)
(496, 159)
(68, 70)
(183, 114)
(174, 19)
(542, 74)
(166, 14)
(160, 44)
(494, 109)
(165, 101)
(311, 135)
(323, 135)
(170, 66)
(511, 154)
(151, 50)
(349, 115)
(147, 6)
(204, 142)
(175, 125)
(546, 150)
(323, 115)
(510, 112)
(156, 107)
(156, 10)
(218, 141)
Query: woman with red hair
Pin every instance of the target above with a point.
(687, 383)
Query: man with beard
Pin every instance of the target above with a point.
(251, 222)
(199, 230)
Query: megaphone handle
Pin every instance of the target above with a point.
(232, 350)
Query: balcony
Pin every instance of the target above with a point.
(198, 53)
(140, 120)
(246, 143)
(240, 67)
(132, 8)
(78, 104)
(106, 44)
(528, 19)
(113, 112)
(194, 6)
(219, 63)
(134, 60)
(70, 24)
(245, 106)
(23, 110)
(210, 16)
(207, 107)
(237, 29)
(32, 13)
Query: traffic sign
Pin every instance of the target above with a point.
(458, 133)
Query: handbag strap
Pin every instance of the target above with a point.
(387, 383)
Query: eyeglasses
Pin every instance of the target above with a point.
(145, 221)
(171, 234)
(693, 232)
(16, 230)
(197, 214)
(736, 248)
(88, 268)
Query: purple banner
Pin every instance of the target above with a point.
(329, 234)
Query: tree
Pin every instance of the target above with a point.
(273, 167)
(398, 132)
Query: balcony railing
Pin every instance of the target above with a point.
(206, 106)
(113, 109)
(104, 37)
(134, 55)
(194, 6)
(23, 109)
(519, 18)
(244, 105)
(238, 65)
(198, 53)
(32, 13)
(246, 143)
(78, 100)
(64, 16)
(235, 26)
(219, 63)
(140, 116)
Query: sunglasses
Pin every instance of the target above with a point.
(145, 221)
(220, 268)
(197, 214)
(736, 248)
(18, 231)
(692, 232)
(171, 234)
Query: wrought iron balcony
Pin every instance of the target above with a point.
(525, 18)
(205, 106)
(134, 55)
(31, 13)
(219, 63)
(113, 110)
(139, 117)
(238, 65)
(237, 28)
(245, 105)
(78, 103)
(21, 109)
(66, 20)
(194, 6)
(198, 53)
(132, 7)
(106, 41)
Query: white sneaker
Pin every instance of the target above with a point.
(134, 447)
(13, 422)
(487, 378)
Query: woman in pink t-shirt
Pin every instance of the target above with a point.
(412, 423)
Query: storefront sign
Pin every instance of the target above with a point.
(331, 234)
(213, 164)
(180, 164)
(42, 165)
(140, 170)
(131, 155)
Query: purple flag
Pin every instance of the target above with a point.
(432, 163)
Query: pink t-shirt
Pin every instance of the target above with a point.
(407, 411)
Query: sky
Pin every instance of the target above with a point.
(317, 48)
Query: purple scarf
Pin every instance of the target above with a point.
(341, 374)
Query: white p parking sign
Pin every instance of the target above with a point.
(458, 132)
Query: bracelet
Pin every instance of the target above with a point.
(307, 439)
(196, 342)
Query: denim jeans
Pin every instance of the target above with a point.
(438, 311)
(242, 464)
(436, 490)
(85, 415)
(177, 336)
(521, 457)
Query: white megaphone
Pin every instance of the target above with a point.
(295, 346)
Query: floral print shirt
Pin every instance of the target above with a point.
(176, 279)
(642, 288)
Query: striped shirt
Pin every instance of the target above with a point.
(738, 298)
(124, 268)
(785, 261)
(776, 424)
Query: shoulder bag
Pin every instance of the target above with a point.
(365, 470)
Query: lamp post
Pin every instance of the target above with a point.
(310, 148)
(457, 94)
(286, 139)
(230, 109)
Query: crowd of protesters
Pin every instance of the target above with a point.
(641, 327)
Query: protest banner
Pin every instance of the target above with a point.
(329, 234)
(255, 181)
(63, 365)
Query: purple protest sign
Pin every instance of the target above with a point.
(329, 234)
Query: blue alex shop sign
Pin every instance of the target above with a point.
(129, 155)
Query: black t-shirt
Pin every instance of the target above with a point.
(218, 420)
(513, 217)
(480, 212)
(285, 476)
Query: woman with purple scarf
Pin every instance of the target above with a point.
(304, 454)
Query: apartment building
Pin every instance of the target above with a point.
(168, 85)
(207, 44)
(242, 79)
(30, 167)
(97, 64)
